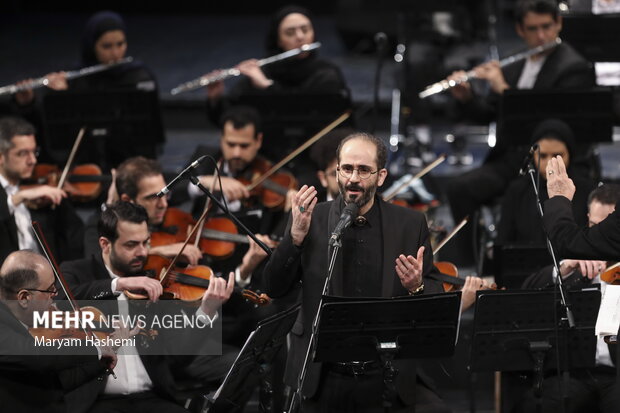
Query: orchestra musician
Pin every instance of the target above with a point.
(144, 382)
(19, 205)
(589, 389)
(387, 254)
(290, 28)
(138, 180)
(520, 222)
(537, 22)
(599, 242)
(36, 378)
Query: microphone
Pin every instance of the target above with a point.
(180, 176)
(528, 158)
(349, 213)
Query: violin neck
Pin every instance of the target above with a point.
(224, 236)
(273, 186)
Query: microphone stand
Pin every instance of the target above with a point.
(335, 243)
(568, 322)
(217, 202)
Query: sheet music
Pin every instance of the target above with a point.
(608, 319)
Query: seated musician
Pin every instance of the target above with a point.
(591, 389)
(19, 205)
(138, 180)
(290, 28)
(520, 222)
(561, 68)
(36, 378)
(144, 382)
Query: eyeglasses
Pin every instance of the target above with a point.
(25, 152)
(52, 290)
(363, 171)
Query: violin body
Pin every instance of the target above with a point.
(271, 192)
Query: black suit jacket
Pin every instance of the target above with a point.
(89, 279)
(37, 379)
(62, 228)
(404, 232)
(599, 242)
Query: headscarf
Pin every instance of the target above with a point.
(555, 129)
(100, 23)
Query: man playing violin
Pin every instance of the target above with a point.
(137, 180)
(149, 382)
(386, 253)
(35, 378)
(591, 389)
(20, 205)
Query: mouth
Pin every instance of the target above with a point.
(354, 191)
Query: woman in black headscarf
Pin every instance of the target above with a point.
(103, 42)
(290, 28)
(520, 222)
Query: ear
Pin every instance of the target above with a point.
(105, 245)
(125, 197)
(322, 178)
(559, 23)
(259, 139)
(383, 173)
(519, 30)
(22, 298)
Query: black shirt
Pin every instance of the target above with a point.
(362, 256)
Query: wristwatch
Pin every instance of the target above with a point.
(417, 290)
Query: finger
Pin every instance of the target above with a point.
(421, 254)
(230, 286)
(313, 203)
(552, 167)
(561, 166)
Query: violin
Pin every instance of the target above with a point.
(218, 236)
(270, 191)
(392, 193)
(611, 274)
(84, 183)
(189, 284)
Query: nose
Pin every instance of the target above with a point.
(163, 202)
(236, 152)
(355, 176)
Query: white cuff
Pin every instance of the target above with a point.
(240, 281)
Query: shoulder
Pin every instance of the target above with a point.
(401, 213)
(568, 56)
(79, 265)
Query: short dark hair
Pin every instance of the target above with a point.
(131, 171)
(11, 126)
(325, 150)
(120, 211)
(381, 148)
(241, 116)
(524, 7)
(607, 194)
(21, 274)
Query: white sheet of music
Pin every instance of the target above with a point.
(608, 319)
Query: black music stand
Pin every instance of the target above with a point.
(514, 263)
(593, 35)
(518, 330)
(387, 329)
(589, 113)
(291, 118)
(119, 124)
(252, 363)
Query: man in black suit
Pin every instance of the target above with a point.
(588, 389)
(386, 254)
(62, 227)
(538, 22)
(34, 378)
(146, 382)
(599, 242)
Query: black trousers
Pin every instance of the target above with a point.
(363, 394)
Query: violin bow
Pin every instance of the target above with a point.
(299, 150)
(419, 175)
(47, 252)
(201, 223)
(450, 235)
(76, 145)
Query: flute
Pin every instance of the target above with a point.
(232, 72)
(72, 74)
(449, 84)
